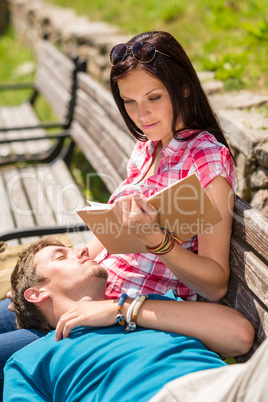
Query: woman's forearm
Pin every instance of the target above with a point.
(203, 275)
(220, 328)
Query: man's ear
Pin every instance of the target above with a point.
(33, 295)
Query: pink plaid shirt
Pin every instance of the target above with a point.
(146, 273)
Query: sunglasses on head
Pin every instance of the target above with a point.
(143, 52)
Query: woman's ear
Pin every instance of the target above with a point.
(33, 295)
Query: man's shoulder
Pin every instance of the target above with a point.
(34, 350)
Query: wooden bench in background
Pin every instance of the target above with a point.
(56, 82)
(98, 129)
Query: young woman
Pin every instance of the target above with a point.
(164, 106)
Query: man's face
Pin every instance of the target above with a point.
(70, 273)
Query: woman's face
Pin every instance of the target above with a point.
(148, 104)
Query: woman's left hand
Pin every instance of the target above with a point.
(87, 313)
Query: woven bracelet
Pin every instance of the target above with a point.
(175, 237)
(161, 245)
(119, 316)
(132, 323)
(131, 308)
(167, 243)
(165, 246)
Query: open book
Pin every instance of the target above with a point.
(183, 208)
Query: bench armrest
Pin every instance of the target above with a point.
(23, 85)
(29, 138)
(43, 231)
(41, 125)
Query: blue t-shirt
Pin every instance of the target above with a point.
(103, 364)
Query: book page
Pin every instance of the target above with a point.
(97, 205)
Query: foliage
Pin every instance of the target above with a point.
(226, 36)
(229, 37)
(13, 54)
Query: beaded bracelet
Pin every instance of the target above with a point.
(131, 308)
(132, 322)
(119, 316)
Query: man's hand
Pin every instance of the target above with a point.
(87, 313)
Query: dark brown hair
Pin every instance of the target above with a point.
(178, 75)
(24, 276)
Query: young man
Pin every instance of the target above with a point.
(56, 287)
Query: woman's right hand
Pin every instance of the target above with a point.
(135, 213)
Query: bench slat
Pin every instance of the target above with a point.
(17, 202)
(57, 98)
(33, 179)
(41, 195)
(250, 269)
(59, 71)
(29, 116)
(95, 111)
(50, 51)
(69, 197)
(57, 95)
(5, 149)
(96, 157)
(19, 116)
(101, 135)
(101, 96)
(252, 226)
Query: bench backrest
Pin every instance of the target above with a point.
(100, 132)
(248, 286)
(55, 79)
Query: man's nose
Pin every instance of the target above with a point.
(82, 252)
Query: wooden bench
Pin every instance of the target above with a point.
(248, 285)
(56, 82)
(50, 194)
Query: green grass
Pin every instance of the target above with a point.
(229, 37)
(16, 55)
(12, 55)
